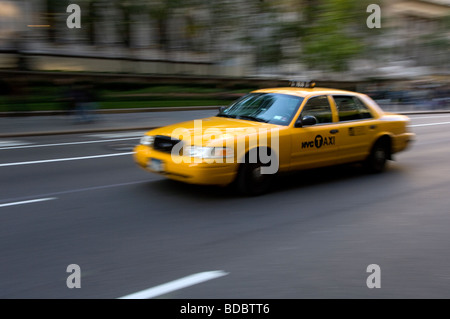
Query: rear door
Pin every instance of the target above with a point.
(357, 128)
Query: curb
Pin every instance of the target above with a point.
(141, 128)
(100, 130)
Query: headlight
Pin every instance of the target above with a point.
(147, 140)
(208, 152)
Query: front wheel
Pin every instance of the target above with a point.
(250, 180)
(376, 162)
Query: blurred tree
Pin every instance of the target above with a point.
(437, 44)
(260, 26)
(328, 33)
(224, 19)
(335, 35)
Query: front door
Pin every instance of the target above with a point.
(315, 145)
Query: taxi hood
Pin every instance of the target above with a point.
(211, 130)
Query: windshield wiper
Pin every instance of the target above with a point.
(226, 115)
(252, 118)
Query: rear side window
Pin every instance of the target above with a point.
(351, 108)
(319, 107)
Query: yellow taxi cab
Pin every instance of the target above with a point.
(275, 130)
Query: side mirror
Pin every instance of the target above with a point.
(222, 108)
(307, 120)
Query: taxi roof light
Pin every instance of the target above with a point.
(302, 84)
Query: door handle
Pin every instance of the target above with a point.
(334, 131)
(372, 127)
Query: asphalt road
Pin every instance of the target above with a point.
(313, 236)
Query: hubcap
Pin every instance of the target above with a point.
(257, 173)
(380, 155)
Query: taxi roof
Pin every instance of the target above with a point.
(303, 92)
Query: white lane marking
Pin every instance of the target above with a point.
(86, 189)
(118, 135)
(28, 202)
(12, 143)
(427, 117)
(429, 124)
(65, 159)
(68, 143)
(176, 285)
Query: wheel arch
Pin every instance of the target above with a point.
(242, 159)
(384, 138)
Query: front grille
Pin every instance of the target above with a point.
(165, 143)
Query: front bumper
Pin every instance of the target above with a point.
(402, 142)
(186, 171)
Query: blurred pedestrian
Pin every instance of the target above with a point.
(67, 95)
(85, 103)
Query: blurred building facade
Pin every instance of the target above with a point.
(219, 38)
(418, 39)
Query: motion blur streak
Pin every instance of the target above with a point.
(71, 143)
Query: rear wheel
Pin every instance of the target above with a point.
(376, 162)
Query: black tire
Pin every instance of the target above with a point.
(249, 180)
(379, 155)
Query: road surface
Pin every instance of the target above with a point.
(80, 199)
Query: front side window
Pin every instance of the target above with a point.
(351, 108)
(264, 107)
(319, 107)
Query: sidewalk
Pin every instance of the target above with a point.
(20, 126)
(115, 120)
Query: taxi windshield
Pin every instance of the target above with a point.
(264, 107)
